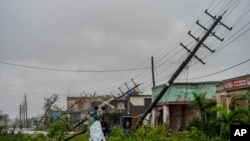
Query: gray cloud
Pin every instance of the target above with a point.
(90, 35)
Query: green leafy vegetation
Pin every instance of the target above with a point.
(219, 125)
(159, 133)
(208, 127)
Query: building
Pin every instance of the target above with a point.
(133, 104)
(231, 93)
(174, 107)
(138, 104)
(78, 107)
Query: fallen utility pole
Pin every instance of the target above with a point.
(77, 134)
(107, 100)
(72, 106)
(85, 119)
(47, 110)
(94, 113)
(127, 92)
(182, 66)
(64, 112)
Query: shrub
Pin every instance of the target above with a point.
(57, 131)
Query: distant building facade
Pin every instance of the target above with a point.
(231, 92)
(139, 103)
(78, 107)
(132, 104)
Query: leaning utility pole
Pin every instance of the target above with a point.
(47, 110)
(95, 112)
(104, 102)
(72, 106)
(185, 62)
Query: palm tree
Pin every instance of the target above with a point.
(227, 118)
(203, 105)
(239, 98)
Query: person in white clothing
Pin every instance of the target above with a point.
(96, 133)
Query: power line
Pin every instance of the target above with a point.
(170, 49)
(230, 6)
(220, 70)
(68, 70)
(163, 55)
(229, 41)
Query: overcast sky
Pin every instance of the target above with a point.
(109, 35)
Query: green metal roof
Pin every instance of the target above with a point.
(183, 91)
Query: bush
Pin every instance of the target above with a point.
(57, 131)
(210, 128)
(197, 123)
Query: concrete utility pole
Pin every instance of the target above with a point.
(153, 74)
(26, 111)
(128, 100)
(106, 101)
(184, 63)
(20, 120)
(94, 113)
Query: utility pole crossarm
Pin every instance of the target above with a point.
(214, 17)
(135, 85)
(213, 33)
(178, 71)
(194, 55)
(197, 39)
(123, 94)
(94, 113)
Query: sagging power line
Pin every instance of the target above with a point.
(184, 63)
(71, 70)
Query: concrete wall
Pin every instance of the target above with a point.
(178, 98)
(181, 115)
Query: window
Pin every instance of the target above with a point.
(147, 102)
